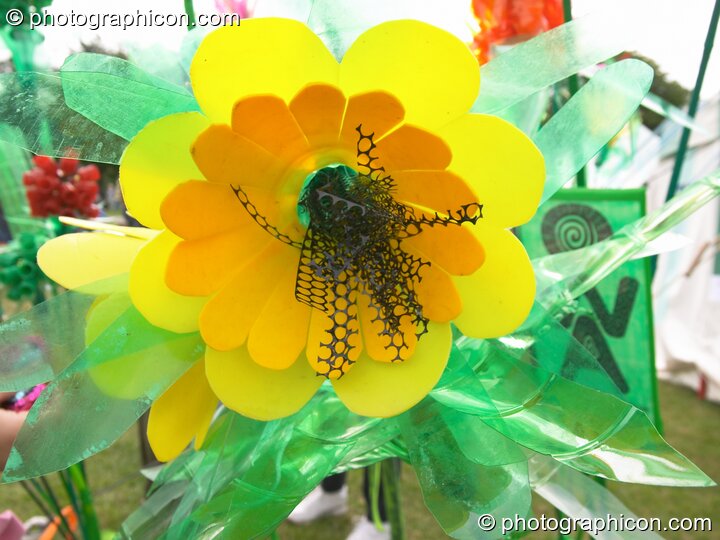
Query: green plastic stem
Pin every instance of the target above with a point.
(190, 11)
(391, 497)
(694, 101)
(573, 87)
(79, 478)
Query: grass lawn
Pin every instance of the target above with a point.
(691, 426)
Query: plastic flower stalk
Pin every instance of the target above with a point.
(321, 221)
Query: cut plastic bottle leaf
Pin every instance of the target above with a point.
(38, 344)
(77, 415)
(119, 96)
(34, 103)
(581, 498)
(590, 119)
(551, 57)
(458, 490)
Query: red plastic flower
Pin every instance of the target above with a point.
(61, 188)
(502, 20)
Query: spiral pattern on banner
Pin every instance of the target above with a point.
(573, 226)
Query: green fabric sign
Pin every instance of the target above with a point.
(614, 321)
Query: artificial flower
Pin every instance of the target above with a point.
(62, 188)
(503, 20)
(321, 220)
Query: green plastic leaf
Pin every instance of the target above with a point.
(100, 395)
(588, 430)
(590, 119)
(119, 96)
(14, 162)
(672, 113)
(456, 489)
(34, 104)
(36, 345)
(564, 276)
(582, 498)
(550, 57)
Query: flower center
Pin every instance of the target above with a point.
(335, 179)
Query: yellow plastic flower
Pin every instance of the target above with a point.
(317, 218)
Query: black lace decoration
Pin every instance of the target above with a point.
(353, 246)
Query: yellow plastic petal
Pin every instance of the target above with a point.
(260, 56)
(280, 332)
(382, 390)
(152, 297)
(267, 121)
(225, 157)
(501, 165)
(201, 267)
(257, 392)
(429, 70)
(156, 160)
(78, 259)
(409, 148)
(441, 191)
(125, 377)
(318, 110)
(455, 248)
(198, 209)
(226, 320)
(181, 414)
(377, 112)
(498, 297)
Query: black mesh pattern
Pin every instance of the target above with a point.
(353, 246)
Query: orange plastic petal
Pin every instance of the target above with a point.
(197, 209)
(441, 191)
(267, 121)
(200, 267)
(455, 248)
(380, 347)
(319, 338)
(280, 332)
(318, 109)
(437, 295)
(377, 112)
(225, 157)
(410, 147)
(227, 318)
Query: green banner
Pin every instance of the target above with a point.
(614, 320)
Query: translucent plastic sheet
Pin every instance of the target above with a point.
(34, 103)
(100, 394)
(119, 96)
(459, 490)
(580, 497)
(567, 275)
(590, 119)
(35, 348)
(551, 57)
(13, 163)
